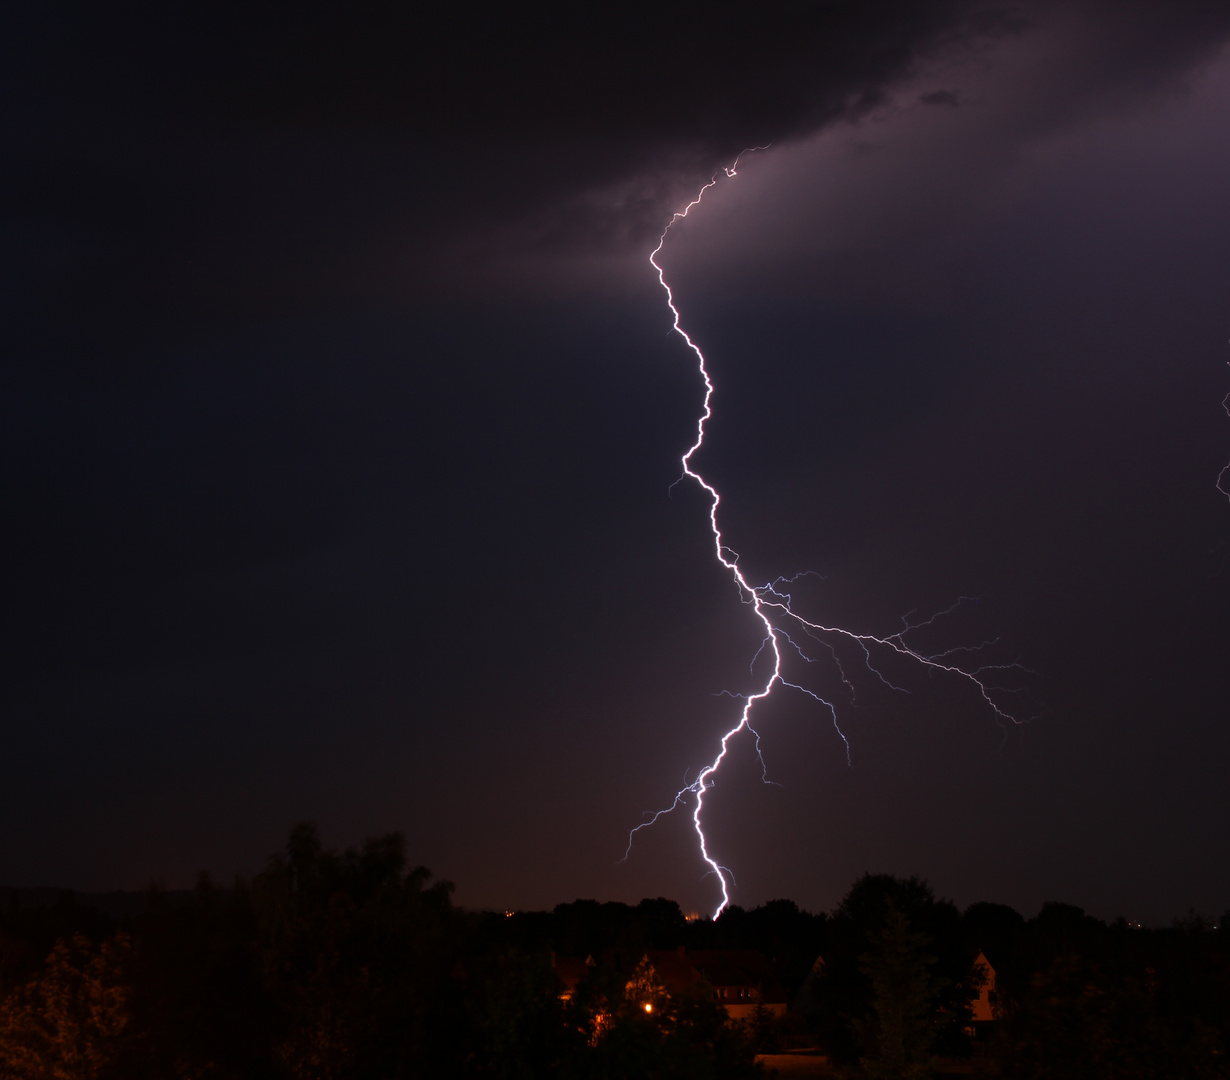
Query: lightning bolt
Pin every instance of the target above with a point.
(1225, 404)
(772, 606)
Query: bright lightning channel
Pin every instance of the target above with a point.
(772, 605)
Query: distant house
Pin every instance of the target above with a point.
(986, 1005)
(806, 1000)
(740, 980)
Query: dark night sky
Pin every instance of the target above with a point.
(340, 412)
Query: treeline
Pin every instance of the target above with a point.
(331, 965)
(356, 964)
(1073, 997)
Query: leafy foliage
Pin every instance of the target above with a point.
(67, 1023)
(660, 1036)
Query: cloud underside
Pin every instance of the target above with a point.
(176, 169)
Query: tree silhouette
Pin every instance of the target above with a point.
(898, 1034)
(845, 994)
(358, 954)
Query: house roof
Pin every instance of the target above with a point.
(571, 969)
(681, 969)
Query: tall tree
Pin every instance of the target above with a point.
(898, 1033)
(845, 992)
(359, 954)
